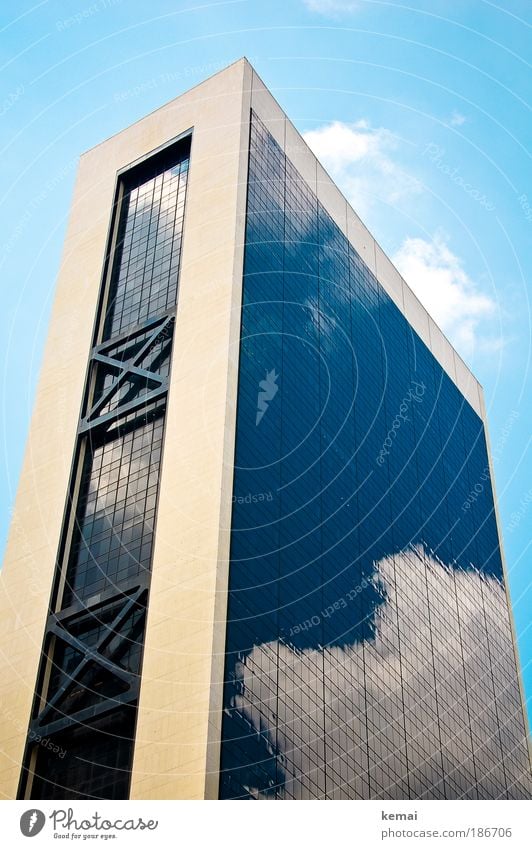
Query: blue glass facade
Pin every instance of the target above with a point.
(369, 647)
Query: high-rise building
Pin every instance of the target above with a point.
(254, 552)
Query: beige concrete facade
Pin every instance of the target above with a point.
(179, 718)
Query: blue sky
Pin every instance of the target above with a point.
(419, 109)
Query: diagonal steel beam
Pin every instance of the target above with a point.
(138, 330)
(93, 654)
(85, 715)
(127, 367)
(120, 411)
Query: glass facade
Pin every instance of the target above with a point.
(81, 736)
(369, 646)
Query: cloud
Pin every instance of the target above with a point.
(363, 162)
(457, 119)
(339, 7)
(394, 688)
(359, 158)
(331, 7)
(452, 298)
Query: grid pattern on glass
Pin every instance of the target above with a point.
(144, 280)
(369, 650)
(89, 762)
(116, 509)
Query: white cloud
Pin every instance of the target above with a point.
(412, 580)
(331, 7)
(457, 119)
(363, 161)
(338, 7)
(358, 158)
(452, 298)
